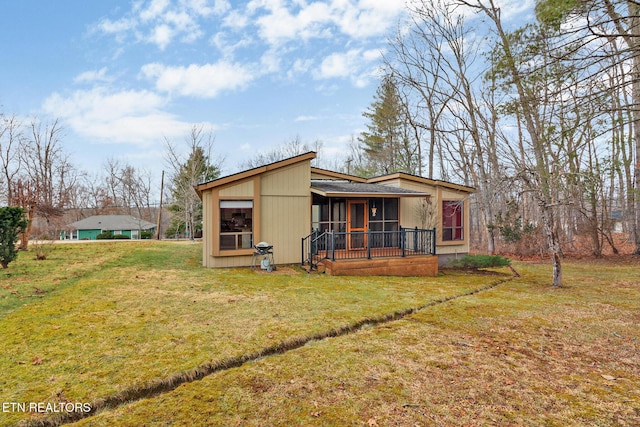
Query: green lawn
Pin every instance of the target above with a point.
(102, 320)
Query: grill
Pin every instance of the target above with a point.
(264, 256)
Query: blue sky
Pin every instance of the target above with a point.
(121, 76)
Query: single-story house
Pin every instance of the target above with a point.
(89, 228)
(397, 224)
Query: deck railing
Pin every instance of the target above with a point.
(336, 245)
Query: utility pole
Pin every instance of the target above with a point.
(158, 234)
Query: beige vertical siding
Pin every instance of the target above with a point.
(286, 210)
(207, 227)
(242, 189)
(286, 220)
(282, 213)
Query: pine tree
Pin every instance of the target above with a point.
(386, 143)
(12, 223)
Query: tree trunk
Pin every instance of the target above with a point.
(548, 223)
(541, 184)
(24, 236)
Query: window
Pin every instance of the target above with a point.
(236, 224)
(452, 220)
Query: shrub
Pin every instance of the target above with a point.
(145, 234)
(520, 236)
(475, 262)
(105, 235)
(120, 237)
(12, 223)
(42, 246)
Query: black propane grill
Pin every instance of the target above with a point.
(263, 255)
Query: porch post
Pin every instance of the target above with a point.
(415, 241)
(433, 241)
(333, 245)
(368, 243)
(403, 241)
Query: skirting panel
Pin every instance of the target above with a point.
(422, 266)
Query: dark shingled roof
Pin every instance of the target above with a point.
(112, 222)
(354, 188)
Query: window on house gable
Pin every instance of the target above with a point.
(236, 224)
(452, 220)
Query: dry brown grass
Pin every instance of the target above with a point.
(146, 316)
(519, 354)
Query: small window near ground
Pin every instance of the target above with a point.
(452, 220)
(236, 224)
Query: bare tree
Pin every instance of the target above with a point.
(292, 148)
(187, 171)
(11, 141)
(48, 178)
(436, 61)
(613, 26)
(129, 189)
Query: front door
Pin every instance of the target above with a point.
(357, 224)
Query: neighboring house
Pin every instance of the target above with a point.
(89, 228)
(616, 219)
(397, 224)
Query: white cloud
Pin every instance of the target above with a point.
(92, 76)
(160, 22)
(300, 66)
(203, 8)
(367, 18)
(236, 20)
(282, 22)
(511, 11)
(282, 33)
(117, 27)
(202, 81)
(512, 8)
(270, 61)
(340, 65)
(282, 25)
(337, 65)
(99, 115)
(161, 36)
(155, 9)
(228, 45)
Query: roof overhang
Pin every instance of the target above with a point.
(253, 172)
(336, 175)
(363, 190)
(422, 180)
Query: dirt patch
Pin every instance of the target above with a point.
(280, 271)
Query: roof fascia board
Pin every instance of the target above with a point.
(338, 175)
(369, 195)
(255, 171)
(422, 180)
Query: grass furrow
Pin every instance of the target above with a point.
(149, 311)
(159, 386)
